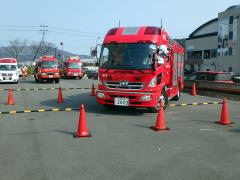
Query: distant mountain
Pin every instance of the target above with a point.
(28, 54)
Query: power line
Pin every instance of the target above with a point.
(16, 26)
(17, 30)
(66, 29)
(73, 34)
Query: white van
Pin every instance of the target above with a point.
(9, 71)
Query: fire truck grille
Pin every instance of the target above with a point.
(129, 97)
(128, 86)
(50, 73)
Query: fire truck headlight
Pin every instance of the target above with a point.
(101, 95)
(153, 82)
(146, 98)
(56, 73)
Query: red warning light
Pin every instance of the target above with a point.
(112, 32)
(152, 31)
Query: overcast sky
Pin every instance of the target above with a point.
(78, 23)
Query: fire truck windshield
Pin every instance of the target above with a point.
(49, 64)
(126, 56)
(8, 67)
(74, 65)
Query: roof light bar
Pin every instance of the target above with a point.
(112, 32)
(152, 31)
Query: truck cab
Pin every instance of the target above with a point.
(9, 71)
(47, 69)
(71, 68)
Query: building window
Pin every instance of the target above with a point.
(213, 53)
(230, 51)
(194, 55)
(230, 35)
(206, 54)
(229, 69)
(231, 20)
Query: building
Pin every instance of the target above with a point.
(215, 45)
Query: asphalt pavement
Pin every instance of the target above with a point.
(40, 146)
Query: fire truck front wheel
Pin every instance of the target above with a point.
(35, 78)
(57, 80)
(164, 98)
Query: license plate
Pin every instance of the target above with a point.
(75, 74)
(7, 78)
(50, 76)
(121, 101)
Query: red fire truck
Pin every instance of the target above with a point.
(47, 68)
(72, 67)
(139, 66)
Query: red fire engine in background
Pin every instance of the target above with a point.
(47, 68)
(71, 67)
(139, 66)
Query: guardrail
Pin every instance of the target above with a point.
(232, 88)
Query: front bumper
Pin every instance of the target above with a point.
(9, 79)
(74, 74)
(133, 97)
(48, 76)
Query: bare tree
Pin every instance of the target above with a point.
(15, 47)
(40, 49)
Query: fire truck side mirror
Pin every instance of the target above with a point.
(97, 63)
(93, 51)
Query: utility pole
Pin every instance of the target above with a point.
(43, 36)
(119, 23)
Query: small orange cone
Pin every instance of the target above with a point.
(224, 114)
(194, 89)
(82, 125)
(93, 91)
(160, 123)
(10, 98)
(60, 96)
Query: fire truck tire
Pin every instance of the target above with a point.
(177, 97)
(57, 80)
(165, 100)
(35, 79)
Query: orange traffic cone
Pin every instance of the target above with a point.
(10, 98)
(160, 123)
(93, 91)
(82, 125)
(60, 96)
(194, 89)
(224, 114)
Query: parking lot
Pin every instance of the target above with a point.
(41, 146)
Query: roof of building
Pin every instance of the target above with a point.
(202, 27)
(232, 7)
